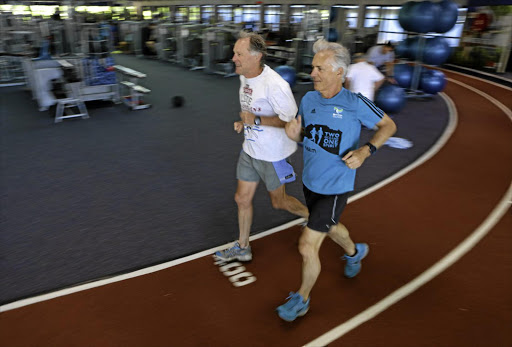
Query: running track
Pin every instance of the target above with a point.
(438, 272)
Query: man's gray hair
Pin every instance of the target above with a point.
(256, 44)
(341, 54)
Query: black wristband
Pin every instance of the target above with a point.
(372, 148)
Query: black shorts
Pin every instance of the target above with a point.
(324, 210)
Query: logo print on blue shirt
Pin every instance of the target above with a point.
(325, 137)
(337, 112)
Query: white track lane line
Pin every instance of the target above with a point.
(479, 78)
(94, 284)
(447, 261)
(502, 107)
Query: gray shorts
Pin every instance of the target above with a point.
(274, 174)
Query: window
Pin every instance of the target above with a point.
(297, 13)
(163, 12)
(43, 11)
(181, 14)
(390, 29)
(225, 13)
(272, 15)
(351, 13)
(372, 16)
(237, 14)
(117, 13)
(146, 13)
(386, 17)
(251, 15)
(207, 13)
(194, 14)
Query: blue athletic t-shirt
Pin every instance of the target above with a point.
(332, 129)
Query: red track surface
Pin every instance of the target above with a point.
(410, 225)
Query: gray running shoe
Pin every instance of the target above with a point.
(235, 253)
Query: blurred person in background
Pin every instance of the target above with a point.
(383, 57)
(362, 77)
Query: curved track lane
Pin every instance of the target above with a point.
(410, 224)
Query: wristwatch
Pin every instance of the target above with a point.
(372, 148)
(257, 120)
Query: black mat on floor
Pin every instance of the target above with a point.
(86, 199)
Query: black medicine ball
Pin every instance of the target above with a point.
(178, 101)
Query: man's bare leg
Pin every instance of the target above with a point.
(309, 247)
(283, 201)
(244, 194)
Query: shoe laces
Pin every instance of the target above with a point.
(293, 300)
(232, 250)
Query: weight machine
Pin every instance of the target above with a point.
(218, 46)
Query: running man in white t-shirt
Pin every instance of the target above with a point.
(362, 77)
(267, 104)
(383, 57)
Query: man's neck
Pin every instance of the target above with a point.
(255, 73)
(331, 93)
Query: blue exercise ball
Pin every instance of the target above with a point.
(413, 49)
(390, 98)
(432, 81)
(423, 17)
(405, 15)
(332, 35)
(436, 51)
(447, 16)
(403, 74)
(287, 73)
(401, 49)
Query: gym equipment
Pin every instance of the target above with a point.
(44, 52)
(448, 12)
(432, 81)
(403, 74)
(42, 72)
(134, 99)
(390, 98)
(130, 37)
(167, 37)
(69, 97)
(405, 17)
(99, 71)
(436, 52)
(218, 43)
(178, 101)
(95, 40)
(190, 46)
(288, 74)
(423, 17)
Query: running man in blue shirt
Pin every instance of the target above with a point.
(330, 164)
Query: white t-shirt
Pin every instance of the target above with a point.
(375, 56)
(362, 78)
(267, 95)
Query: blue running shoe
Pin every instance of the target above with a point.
(353, 265)
(235, 253)
(295, 307)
